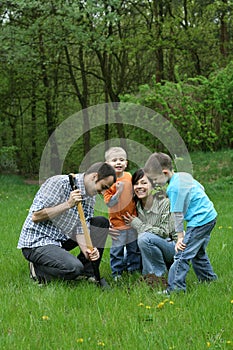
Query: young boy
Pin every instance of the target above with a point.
(119, 199)
(188, 202)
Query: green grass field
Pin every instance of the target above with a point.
(131, 315)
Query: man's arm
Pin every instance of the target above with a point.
(52, 212)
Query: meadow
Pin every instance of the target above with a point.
(131, 315)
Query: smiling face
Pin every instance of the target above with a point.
(119, 163)
(143, 187)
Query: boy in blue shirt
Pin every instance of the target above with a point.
(188, 202)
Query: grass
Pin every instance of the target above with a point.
(131, 315)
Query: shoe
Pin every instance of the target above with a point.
(41, 280)
(164, 292)
(33, 275)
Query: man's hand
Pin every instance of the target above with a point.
(75, 197)
(93, 254)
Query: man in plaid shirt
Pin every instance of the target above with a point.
(53, 227)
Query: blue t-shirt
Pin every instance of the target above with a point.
(188, 196)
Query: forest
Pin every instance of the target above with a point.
(62, 58)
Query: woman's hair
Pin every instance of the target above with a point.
(135, 178)
(103, 170)
(159, 194)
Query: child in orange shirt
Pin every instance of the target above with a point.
(119, 199)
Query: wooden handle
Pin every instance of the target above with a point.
(84, 226)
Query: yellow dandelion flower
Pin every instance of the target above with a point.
(232, 301)
(171, 302)
(228, 341)
(208, 344)
(171, 347)
(100, 343)
(166, 300)
(140, 304)
(160, 305)
(220, 227)
(45, 317)
(148, 307)
(80, 340)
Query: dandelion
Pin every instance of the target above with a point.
(160, 305)
(140, 304)
(208, 344)
(100, 343)
(148, 307)
(232, 301)
(45, 318)
(80, 340)
(220, 227)
(228, 341)
(171, 302)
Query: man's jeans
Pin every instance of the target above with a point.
(51, 261)
(196, 240)
(157, 253)
(131, 261)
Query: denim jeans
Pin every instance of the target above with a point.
(52, 261)
(131, 261)
(157, 253)
(196, 240)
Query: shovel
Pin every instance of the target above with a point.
(100, 281)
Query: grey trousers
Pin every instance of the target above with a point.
(54, 262)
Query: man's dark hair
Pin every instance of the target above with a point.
(103, 170)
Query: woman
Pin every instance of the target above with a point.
(155, 227)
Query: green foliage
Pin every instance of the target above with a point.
(8, 162)
(200, 108)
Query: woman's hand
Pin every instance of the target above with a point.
(128, 218)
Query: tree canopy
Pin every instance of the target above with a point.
(60, 57)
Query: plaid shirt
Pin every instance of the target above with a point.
(54, 191)
(157, 219)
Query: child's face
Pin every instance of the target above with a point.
(142, 188)
(158, 179)
(118, 163)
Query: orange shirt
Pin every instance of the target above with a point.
(125, 202)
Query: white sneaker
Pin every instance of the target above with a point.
(164, 292)
(33, 275)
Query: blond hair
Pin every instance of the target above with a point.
(115, 152)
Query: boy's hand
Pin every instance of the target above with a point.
(119, 186)
(180, 245)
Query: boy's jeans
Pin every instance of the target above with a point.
(157, 253)
(196, 240)
(132, 260)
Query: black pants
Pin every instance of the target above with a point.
(51, 261)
